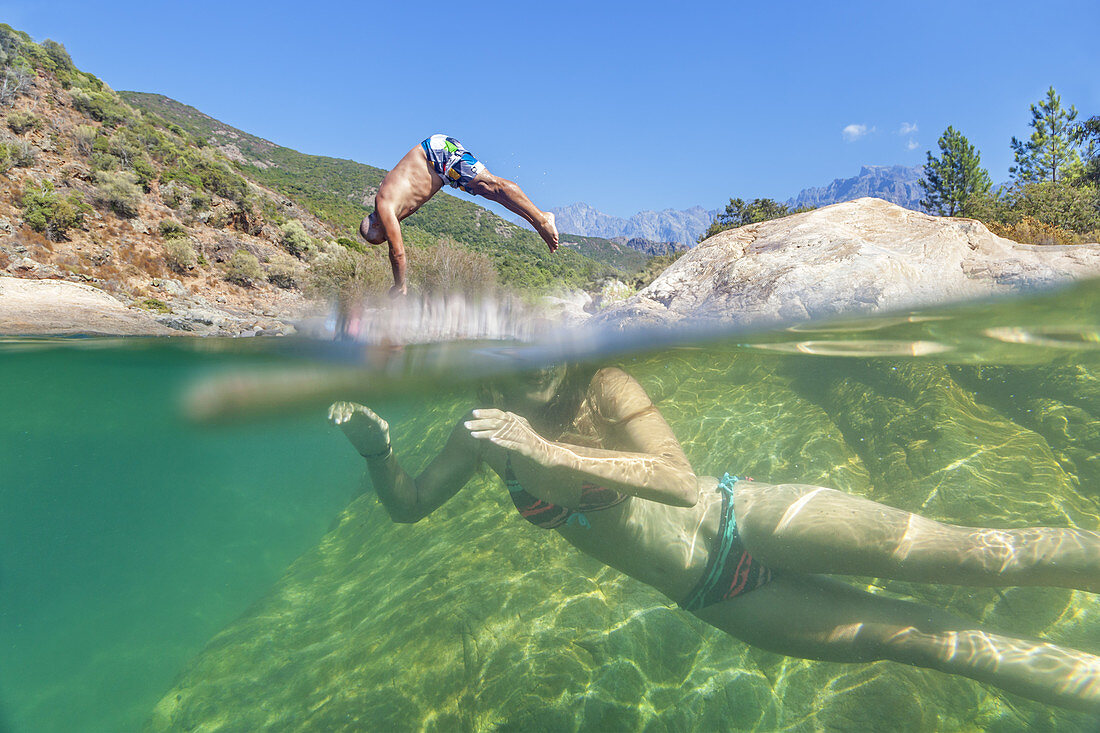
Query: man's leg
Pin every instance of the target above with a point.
(511, 196)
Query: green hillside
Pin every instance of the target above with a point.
(339, 191)
(626, 259)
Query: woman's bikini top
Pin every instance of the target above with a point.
(551, 516)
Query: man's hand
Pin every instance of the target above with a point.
(399, 291)
(368, 433)
(510, 432)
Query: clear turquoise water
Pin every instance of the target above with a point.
(130, 535)
(127, 535)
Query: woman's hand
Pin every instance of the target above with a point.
(510, 432)
(369, 433)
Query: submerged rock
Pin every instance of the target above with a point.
(859, 256)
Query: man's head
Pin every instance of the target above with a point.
(372, 230)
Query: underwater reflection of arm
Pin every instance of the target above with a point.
(405, 498)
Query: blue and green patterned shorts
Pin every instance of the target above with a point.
(452, 162)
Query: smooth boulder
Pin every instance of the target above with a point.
(860, 256)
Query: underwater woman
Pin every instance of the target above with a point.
(589, 455)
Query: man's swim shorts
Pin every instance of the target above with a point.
(452, 162)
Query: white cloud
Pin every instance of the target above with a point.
(907, 128)
(912, 144)
(854, 132)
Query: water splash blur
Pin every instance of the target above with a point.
(420, 319)
(448, 341)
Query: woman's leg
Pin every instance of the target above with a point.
(809, 529)
(821, 618)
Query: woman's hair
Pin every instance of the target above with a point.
(562, 407)
(571, 392)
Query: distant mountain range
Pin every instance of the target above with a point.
(670, 225)
(898, 184)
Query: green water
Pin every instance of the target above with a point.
(159, 572)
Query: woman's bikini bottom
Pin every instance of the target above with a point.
(730, 570)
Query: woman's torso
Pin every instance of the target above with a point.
(661, 545)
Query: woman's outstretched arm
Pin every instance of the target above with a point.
(656, 469)
(407, 499)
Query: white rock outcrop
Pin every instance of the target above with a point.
(858, 256)
(55, 307)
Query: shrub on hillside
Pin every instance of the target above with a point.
(1027, 230)
(272, 212)
(155, 305)
(285, 271)
(295, 239)
(172, 229)
(243, 268)
(57, 53)
(203, 171)
(102, 106)
(122, 152)
(180, 255)
(199, 201)
(339, 274)
(1038, 209)
(21, 121)
(16, 154)
(1076, 208)
(103, 162)
(173, 193)
(218, 179)
(350, 243)
(44, 210)
(17, 80)
(654, 266)
(118, 192)
(146, 174)
(448, 268)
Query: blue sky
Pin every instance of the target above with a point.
(626, 106)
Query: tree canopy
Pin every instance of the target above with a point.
(1050, 154)
(738, 213)
(1087, 135)
(952, 180)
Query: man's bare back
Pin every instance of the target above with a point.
(419, 175)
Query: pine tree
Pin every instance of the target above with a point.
(1051, 152)
(1088, 137)
(951, 180)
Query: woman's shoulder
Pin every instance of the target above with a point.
(615, 394)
